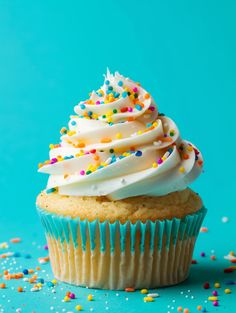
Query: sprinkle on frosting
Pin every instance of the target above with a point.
(120, 122)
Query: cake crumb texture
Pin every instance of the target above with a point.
(176, 204)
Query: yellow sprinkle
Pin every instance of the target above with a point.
(163, 158)
(109, 119)
(66, 298)
(217, 285)
(51, 146)
(148, 299)
(154, 165)
(78, 308)
(181, 169)
(227, 291)
(139, 132)
(155, 124)
(232, 253)
(95, 116)
(118, 136)
(40, 165)
(212, 298)
(189, 148)
(71, 132)
(39, 285)
(90, 297)
(54, 281)
(144, 291)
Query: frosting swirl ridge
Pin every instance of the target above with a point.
(120, 146)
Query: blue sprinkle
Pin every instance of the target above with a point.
(82, 106)
(50, 284)
(110, 88)
(149, 125)
(90, 113)
(124, 94)
(101, 166)
(73, 123)
(170, 150)
(17, 254)
(99, 94)
(117, 94)
(108, 92)
(138, 153)
(50, 190)
(121, 157)
(27, 256)
(40, 280)
(107, 82)
(138, 107)
(120, 83)
(110, 124)
(25, 272)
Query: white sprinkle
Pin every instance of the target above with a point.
(157, 143)
(153, 295)
(225, 219)
(35, 289)
(108, 161)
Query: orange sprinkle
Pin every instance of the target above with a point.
(20, 289)
(166, 139)
(129, 289)
(2, 285)
(5, 272)
(130, 119)
(105, 140)
(7, 277)
(38, 268)
(96, 157)
(30, 271)
(147, 96)
(200, 162)
(185, 156)
(15, 240)
(80, 145)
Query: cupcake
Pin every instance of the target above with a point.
(117, 210)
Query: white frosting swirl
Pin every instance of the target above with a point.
(119, 146)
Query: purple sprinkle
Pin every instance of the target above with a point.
(160, 161)
(214, 293)
(203, 254)
(72, 295)
(45, 247)
(152, 108)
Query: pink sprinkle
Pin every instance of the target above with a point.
(130, 109)
(72, 295)
(82, 172)
(152, 108)
(159, 161)
(215, 303)
(97, 102)
(214, 293)
(135, 89)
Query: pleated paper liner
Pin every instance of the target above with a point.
(116, 256)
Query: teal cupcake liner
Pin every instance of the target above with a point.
(120, 249)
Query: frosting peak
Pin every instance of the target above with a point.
(118, 145)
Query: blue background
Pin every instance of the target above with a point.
(52, 53)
